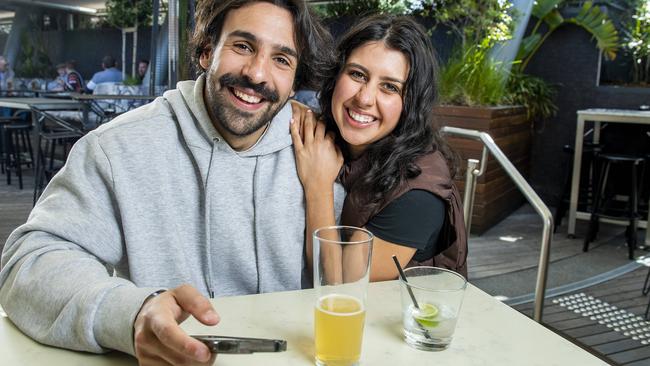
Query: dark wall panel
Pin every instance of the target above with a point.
(569, 59)
(88, 47)
(3, 40)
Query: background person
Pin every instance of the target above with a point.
(6, 83)
(58, 84)
(74, 82)
(143, 66)
(109, 73)
(196, 193)
(6, 74)
(377, 105)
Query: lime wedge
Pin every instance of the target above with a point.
(426, 315)
(428, 311)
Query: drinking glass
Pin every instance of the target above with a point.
(438, 294)
(341, 272)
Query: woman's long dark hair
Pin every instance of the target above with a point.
(391, 159)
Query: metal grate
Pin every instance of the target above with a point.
(620, 320)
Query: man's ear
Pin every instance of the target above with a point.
(205, 58)
(293, 92)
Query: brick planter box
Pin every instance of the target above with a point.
(496, 195)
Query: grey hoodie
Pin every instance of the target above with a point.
(152, 200)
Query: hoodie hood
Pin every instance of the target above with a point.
(188, 104)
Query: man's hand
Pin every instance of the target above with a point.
(159, 340)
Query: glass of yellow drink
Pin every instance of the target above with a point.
(341, 272)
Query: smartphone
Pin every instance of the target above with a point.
(239, 345)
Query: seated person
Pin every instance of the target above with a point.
(58, 84)
(143, 66)
(196, 193)
(6, 83)
(6, 74)
(74, 82)
(109, 74)
(397, 170)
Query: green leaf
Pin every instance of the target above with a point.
(528, 44)
(471, 78)
(543, 7)
(554, 19)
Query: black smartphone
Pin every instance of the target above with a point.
(240, 345)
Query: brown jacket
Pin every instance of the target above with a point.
(435, 178)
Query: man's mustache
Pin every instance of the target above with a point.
(229, 80)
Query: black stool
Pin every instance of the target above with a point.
(585, 195)
(55, 139)
(645, 189)
(4, 121)
(18, 149)
(53, 150)
(604, 163)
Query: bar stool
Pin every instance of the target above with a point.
(604, 197)
(17, 149)
(53, 150)
(585, 194)
(4, 121)
(55, 139)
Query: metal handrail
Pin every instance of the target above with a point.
(526, 190)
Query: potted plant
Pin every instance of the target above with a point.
(479, 93)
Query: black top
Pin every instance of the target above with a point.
(412, 220)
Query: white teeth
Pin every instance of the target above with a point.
(246, 97)
(360, 117)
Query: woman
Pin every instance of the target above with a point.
(377, 119)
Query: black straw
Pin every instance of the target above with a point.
(403, 276)
(415, 302)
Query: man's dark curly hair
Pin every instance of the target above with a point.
(391, 160)
(313, 41)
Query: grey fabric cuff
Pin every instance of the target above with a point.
(113, 326)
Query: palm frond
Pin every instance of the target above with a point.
(543, 7)
(594, 21)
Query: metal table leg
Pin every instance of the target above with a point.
(575, 178)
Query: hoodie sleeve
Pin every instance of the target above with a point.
(56, 279)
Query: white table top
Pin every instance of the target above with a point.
(615, 115)
(42, 103)
(488, 333)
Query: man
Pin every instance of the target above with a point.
(196, 193)
(109, 73)
(143, 66)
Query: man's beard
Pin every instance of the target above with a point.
(234, 120)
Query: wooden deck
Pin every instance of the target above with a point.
(15, 203)
(607, 318)
(514, 244)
